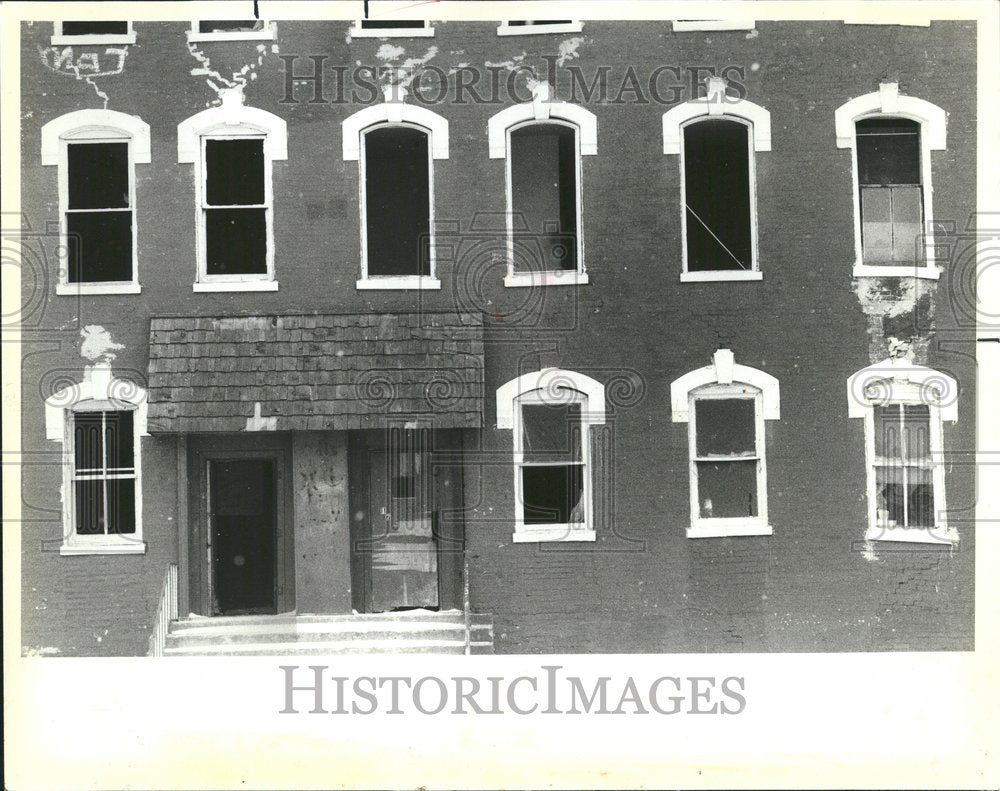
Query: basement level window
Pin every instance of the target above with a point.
(521, 27)
(391, 28)
(890, 190)
(230, 30)
(93, 32)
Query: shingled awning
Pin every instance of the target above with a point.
(314, 372)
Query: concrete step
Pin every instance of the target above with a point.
(320, 648)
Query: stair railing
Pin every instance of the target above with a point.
(166, 611)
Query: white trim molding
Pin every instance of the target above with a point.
(99, 391)
(535, 29)
(692, 25)
(542, 108)
(715, 103)
(933, 120)
(231, 117)
(552, 386)
(394, 110)
(896, 381)
(195, 36)
(356, 31)
(724, 370)
(62, 39)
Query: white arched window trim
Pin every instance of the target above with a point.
(886, 102)
(898, 381)
(232, 119)
(724, 379)
(543, 110)
(98, 126)
(552, 386)
(716, 104)
(99, 391)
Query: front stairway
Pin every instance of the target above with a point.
(410, 632)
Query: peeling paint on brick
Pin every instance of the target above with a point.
(97, 345)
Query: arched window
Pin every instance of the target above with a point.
(725, 406)
(717, 138)
(543, 143)
(96, 152)
(396, 145)
(551, 412)
(891, 138)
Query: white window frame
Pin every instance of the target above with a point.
(531, 29)
(692, 25)
(195, 36)
(887, 103)
(94, 126)
(544, 110)
(553, 386)
(232, 121)
(394, 112)
(61, 39)
(721, 380)
(99, 391)
(356, 31)
(716, 104)
(897, 381)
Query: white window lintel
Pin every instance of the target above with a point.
(888, 101)
(394, 110)
(105, 125)
(553, 382)
(716, 103)
(724, 370)
(542, 108)
(99, 385)
(231, 117)
(896, 379)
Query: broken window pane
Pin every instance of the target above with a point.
(920, 493)
(230, 26)
(234, 172)
(725, 426)
(98, 175)
(717, 194)
(544, 197)
(397, 201)
(236, 241)
(94, 28)
(889, 490)
(551, 431)
(553, 494)
(727, 489)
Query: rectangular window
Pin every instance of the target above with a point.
(397, 183)
(552, 464)
(904, 471)
(99, 215)
(230, 26)
(891, 190)
(92, 32)
(726, 458)
(104, 473)
(391, 28)
(94, 28)
(544, 198)
(524, 27)
(230, 30)
(235, 208)
(718, 197)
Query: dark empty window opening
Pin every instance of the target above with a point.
(904, 474)
(552, 464)
(231, 26)
(103, 473)
(726, 459)
(235, 208)
(392, 24)
(717, 196)
(397, 202)
(95, 28)
(526, 23)
(98, 213)
(891, 190)
(544, 195)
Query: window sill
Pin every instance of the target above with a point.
(391, 32)
(402, 283)
(267, 34)
(724, 528)
(108, 546)
(908, 270)
(233, 285)
(913, 535)
(128, 38)
(538, 30)
(692, 25)
(528, 279)
(83, 289)
(721, 276)
(527, 534)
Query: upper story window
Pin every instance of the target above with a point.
(232, 148)
(543, 144)
(93, 32)
(725, 406)
(551, 412)
(903, 407)
(100, 422)
(522, 27)
(396, 145)
(891, 137)
(717, 137)
(687, 25)
(391, 28)
(96, 152)
(230, 30)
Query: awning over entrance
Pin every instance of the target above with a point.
(314, 372)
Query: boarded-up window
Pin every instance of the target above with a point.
(552, 464)
(726, 457)
(904, 480)
(544, 195)
(891, 195)
(99, 214)
(717, 196)
(235, 208)
(397, 202)
(95, 28)
(103, 473)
